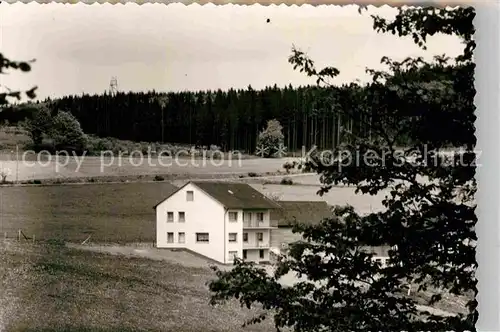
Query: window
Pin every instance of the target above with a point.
(260, 216)
(233, 254)
(182, 216)
(244, 254)
(170, 237)
(182, 237)
(247, 216)
(189, 196)
(245, 237)
(170, 217)
(260, 236)
(202, 237)
(261, 253)
(233, 216)
(233, 237)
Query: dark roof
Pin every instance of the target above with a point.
(306, 212)
(167, 190)
(236, 195)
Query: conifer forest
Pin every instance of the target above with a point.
(310, 115)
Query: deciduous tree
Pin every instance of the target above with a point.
(38, 125)
(67, 133)
(428, 217)
(271, 139)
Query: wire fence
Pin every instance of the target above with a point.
(20, 236)
(23, 237)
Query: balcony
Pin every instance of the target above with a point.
(256, 245)
(256, 225)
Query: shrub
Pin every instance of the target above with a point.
(104, 144)
(252, 174)
(289, 166)
(286, 181)
(4, 173)
(158, 178)
(273, 196)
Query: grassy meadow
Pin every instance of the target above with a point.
(121, 212)
(116, 167)
(47, 288)
(118, 212)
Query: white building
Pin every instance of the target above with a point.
(218, 220)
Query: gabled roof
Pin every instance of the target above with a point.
(232, 195)
(167, 188)
(236, 195)
(305, 212)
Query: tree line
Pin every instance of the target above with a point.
(229, 119)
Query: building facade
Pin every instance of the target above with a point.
(219, 220)
(224, 220)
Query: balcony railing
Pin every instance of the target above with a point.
(256, 224)
(255, 244)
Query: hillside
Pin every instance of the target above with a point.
(53, 288)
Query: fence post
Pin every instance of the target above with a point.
(33, 238)
(19, 235)
(86, 239)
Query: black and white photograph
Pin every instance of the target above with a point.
(185, 168)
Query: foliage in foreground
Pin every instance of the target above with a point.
(7, 96)
(428, 218)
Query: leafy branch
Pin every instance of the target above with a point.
(24, 66)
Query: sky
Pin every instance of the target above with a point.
(78, 48)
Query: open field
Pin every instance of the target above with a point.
(56, 288)
(336, 196)
(95, 167)
(11, 137)
(28, 167)
(51, 288)
(119, 212)
(120, 168)
(449, 305)
(109, 212)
